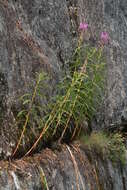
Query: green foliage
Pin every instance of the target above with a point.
(79, 95)
(82, 91)
(43, 179)
(109, 146)
(97, 141)
(29, 118)
(30, 101)
(117, 148)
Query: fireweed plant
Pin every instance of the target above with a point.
(29, 116)
(78, 97)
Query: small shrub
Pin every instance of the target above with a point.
(117, 148)
(109, 146)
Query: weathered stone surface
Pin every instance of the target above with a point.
(69, 169)
(42, 34)
(37, 35)
(110, 16)
(34, 36)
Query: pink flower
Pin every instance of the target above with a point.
(104, 37)
(83, 26)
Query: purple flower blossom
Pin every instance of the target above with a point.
(104, 37)
(83, 26)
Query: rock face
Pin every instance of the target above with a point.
(41, 35)
(69, 169)
(34, 36)
(111, 16)
(37, 35)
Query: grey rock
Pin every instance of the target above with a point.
(69, 169)
(34, 35)
(110, 16)
(37, 35)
